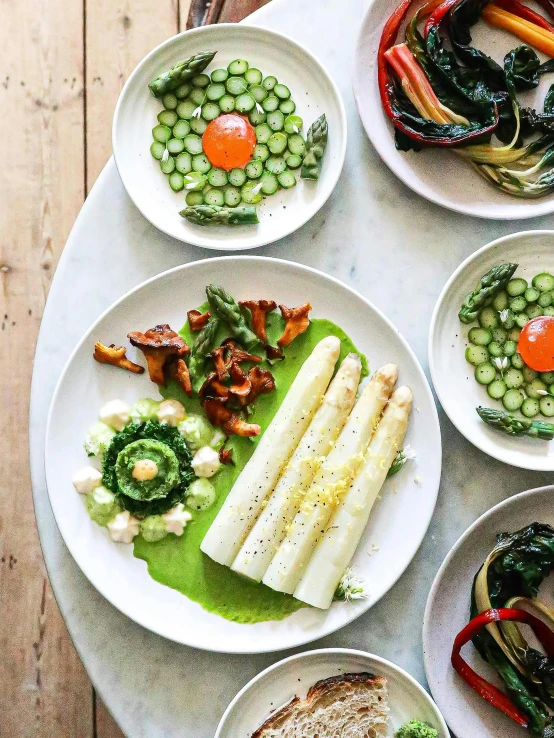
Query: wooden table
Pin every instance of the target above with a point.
(65, 62)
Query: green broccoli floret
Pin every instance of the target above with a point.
(417, 729)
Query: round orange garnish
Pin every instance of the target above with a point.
(229, 141)
(536, 343)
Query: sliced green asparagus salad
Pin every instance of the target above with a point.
(230, 138)
(511, 346)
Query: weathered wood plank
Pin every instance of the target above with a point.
(45, 691)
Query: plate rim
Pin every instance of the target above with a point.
(545, 208)
(513, 499)
(204, 242)
(337, 652)
(325, 631)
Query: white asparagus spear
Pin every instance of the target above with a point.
(331, 482)
(270, 528)
(336, 549)
(259, 476)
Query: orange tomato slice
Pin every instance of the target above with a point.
(229, 141)
(536, 343)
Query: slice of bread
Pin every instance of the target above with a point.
(349, 706)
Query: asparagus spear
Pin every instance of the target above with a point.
(489, 285)
(225, 308)
(180, 72)
(202, 346)
(516, 426)
(216, 215)
(316, 141)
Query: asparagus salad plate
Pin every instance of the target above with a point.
(229, 136)
(243, 454)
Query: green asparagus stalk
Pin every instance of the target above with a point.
(489, 286)
(316, 141)
(180, 72)
(216, 215)
(203, 344)
(225, 308)
(513, 426)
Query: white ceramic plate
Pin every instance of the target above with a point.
(439, 176)
(447, 612)
(397, 525)
(275, 686)
(452, 376)
(312, 89)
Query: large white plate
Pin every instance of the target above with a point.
(447, 612)
(313, 91)
(452, 376)
(397, 525)
(294, 676)
(438, 175)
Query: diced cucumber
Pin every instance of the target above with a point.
(287, 180)
(480, 336)
(287, 107)
(276, 121)
(544, 282)
(509, 348)
(476, 355)
(293, 161)
(254, 169)
(238, 66)
(186, 109)
(236, 85)
(495, 349)
(232, 196)
(200, 80)
(545, 299)
(488, 318)
(175, 145)
(198, 125)
(485, 373)
(513, 399)
(516, 361)
(297, 145)
(548, 311)
(263, 133)
(258, 92)
(516, 286)
(168, 118)
(277, 142)
(270, 104)
(183, 91)
(513, 378)
(181, 128)
(168, 165)
(197, 96)
(215, 91)
(183, 163)
(500, 301)
(533, 311)
(217, 177)
(269, 82)
(261, 152)
(513, 334)
(522, 318)
(157, 149)
(530, 407)
(219, 75)
(176, 181)
(293, 124)
(270, 184)
(529, 375)
(535, 389)
(518, 304)
(531, 294)
(214, 197)
(194, 198)
(499, 335)
(193, 144)
(276, 165)
(244, 103)
(210, 111)
(227, 103)
(201, 163)
(163, 133)
(170, 101)
(249, 197)
(497, 389)
(547, 377)
(546, 404)
(253, 76)
(281, 91)
(237, 177)
(256, 117)
(195, 181)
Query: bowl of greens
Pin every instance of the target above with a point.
(229, 136)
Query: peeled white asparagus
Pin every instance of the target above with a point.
(331, 482)
(336, 549)
(270, 528)
(246, 498)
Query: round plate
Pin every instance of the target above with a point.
(452, 376)
(397, 525)
(438, 175)
(447, 612)
(312, 89)
(294, 676)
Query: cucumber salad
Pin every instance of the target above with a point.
(229, 138)
(511, 346)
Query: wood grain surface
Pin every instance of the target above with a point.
(64, 63)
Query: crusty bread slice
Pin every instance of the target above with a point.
(345, 706)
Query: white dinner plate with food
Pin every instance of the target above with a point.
(229, 131)
(293, 503)
(330, 692)
(467, 376)
(448, 607)
(437, 173)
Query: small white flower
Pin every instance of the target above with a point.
(190, 186)
(257, 188)
(541, 392)
(295, 128)
(259, 108)
(197, 112)
(351, 587)
(409, 453)
(500, 362)
(503, 315)
(165, 156)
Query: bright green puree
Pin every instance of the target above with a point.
(178, 562)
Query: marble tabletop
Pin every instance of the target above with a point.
(374, 234)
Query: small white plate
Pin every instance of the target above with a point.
(398, 522)
(275, 686)
(453, 377)
(447, 612)
(313, 91)
(438, 175)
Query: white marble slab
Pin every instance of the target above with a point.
(375, 235)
